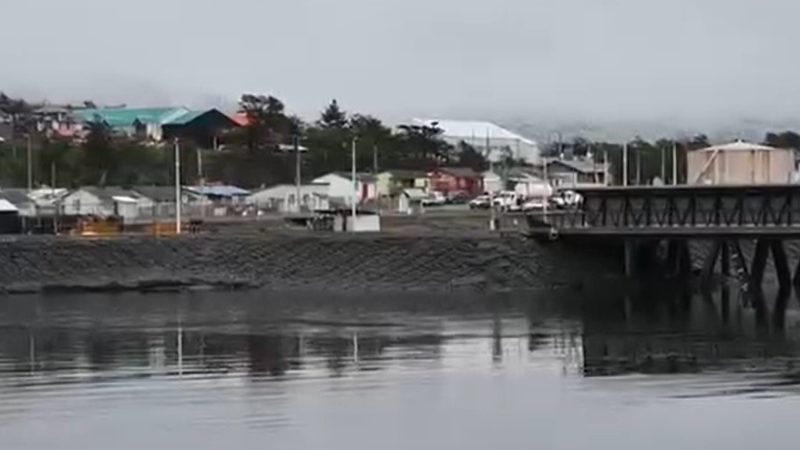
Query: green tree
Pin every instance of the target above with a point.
(786, 139)
(99, 157)
(333, 117)
(469, 156)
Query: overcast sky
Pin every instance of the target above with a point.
(593, 58)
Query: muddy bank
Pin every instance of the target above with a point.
(372, 263)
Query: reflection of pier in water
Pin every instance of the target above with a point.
(727, 329)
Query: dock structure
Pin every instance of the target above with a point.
(659, 222)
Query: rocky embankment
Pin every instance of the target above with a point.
(340, 262)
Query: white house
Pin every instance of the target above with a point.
(410, 200)
(105, 202)
(21, 200)
(521, 181)
(488, 138)
(340, 187)
(283, 198)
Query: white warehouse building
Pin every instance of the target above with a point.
(488, 138)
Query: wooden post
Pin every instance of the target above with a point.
(759, 263)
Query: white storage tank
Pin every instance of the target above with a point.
(740, 163)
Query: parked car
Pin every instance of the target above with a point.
(435, 199)
(481, 202)
(508, 200)
(458, 198)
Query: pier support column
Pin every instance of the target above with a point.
(726, 259)
(673, 249)
(781, 265)
(759, 263)
(630, 257)
(711, 261)
(684, 260)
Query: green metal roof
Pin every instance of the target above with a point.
(186, 118)
(126, 117)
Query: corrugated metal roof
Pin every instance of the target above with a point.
(472, 130)
(7, 206)
(460, 172)
(18, 197)
(219, 191)
(126, 117)
(185, 118)
(582, 166)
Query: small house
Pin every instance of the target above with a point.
(410, 200)
(456, 180)
(520, 180)
(341, 187)
(224, 195)
(391, 183)
(105, 202)
(24, 204)
(577, 172)
(162, 201)
(283, 198)
(9, 218)
(740, 163)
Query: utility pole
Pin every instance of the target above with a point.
(297, 169)
(638, 167)
(375, 158)
(53, 195)
(178, 187)
(355, 182)
(605, 168)
(30, 163)
(202, 177)
(674, 163)
(663, 165)
(625, 164)
(493, 213)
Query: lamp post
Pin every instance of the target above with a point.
(177, 187)
(355, 181)
(297, 174)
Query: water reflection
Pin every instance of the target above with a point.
(212, 369)
(264, 336)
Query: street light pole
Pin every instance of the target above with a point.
(493, 216)
(355, 181)
(30, 163)
(625, 164)
(674, 163)
(297, 174)
(178, 187)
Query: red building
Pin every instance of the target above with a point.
(456, 179)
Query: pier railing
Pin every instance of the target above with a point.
(684, 209)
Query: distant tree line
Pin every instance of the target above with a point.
(261, 152)
(257, 154)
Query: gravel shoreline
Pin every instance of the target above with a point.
(380, 262)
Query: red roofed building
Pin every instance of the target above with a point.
(456, 179)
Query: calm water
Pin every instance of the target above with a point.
(252, 371)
